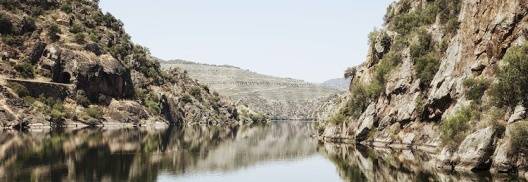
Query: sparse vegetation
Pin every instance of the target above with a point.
(519, 137)
(67, 8)
(28, 25)
(152, 103)
(385, 66)
(455, 128)
(19, 89)
(12, 40)
(360, 97)
(6, 27)
(186, 98)
(337, 118)
(82, 99)
(475, 88)
(57, 112)
(426, 68)
(408, 21)
(94, 112)
(76, 28)
(422, 45)
(196, 92)
(512, 78)
(79, 38)
(25, 69)
(53, 32)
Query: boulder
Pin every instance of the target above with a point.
(502, 161)
(518, 114)
(107, 77)
(127, 111)
(475, 152)
(367, 121)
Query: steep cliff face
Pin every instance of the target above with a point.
(437, 77)
(65, 63)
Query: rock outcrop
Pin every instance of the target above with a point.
(433, 78)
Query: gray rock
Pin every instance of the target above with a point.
(367, 121)
(518, 114)
(475, 152)
(107, 77)
(502, 161)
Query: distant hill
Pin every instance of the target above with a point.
(337, 83)
(280, 98)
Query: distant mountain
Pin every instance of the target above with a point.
(280, 98)
(337, 83)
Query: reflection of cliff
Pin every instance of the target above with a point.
(356, 163)
(138, 155)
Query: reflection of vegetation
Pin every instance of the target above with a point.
(358, 163)
(136, 155)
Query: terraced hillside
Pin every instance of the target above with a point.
(280, 98)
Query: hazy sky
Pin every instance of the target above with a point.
(314, 40)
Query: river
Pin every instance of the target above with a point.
(282, 151)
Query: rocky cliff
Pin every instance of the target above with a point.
(443, 76)
(66, 63)
(279, 98)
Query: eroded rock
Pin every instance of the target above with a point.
(475, 152)
(367, 121)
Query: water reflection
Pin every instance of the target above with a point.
(141, 155)
(283, 150)
(357, 163)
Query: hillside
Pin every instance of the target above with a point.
(444, 76)
(337, 83)
(66, 64)
(280, 98)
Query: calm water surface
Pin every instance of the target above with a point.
(282, 151)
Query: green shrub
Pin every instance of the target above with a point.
(423, 44)
(454, 129)
(337, 118)
(53, 32)
(475, 88)
(386, 65)
(406, 23)
(76, 28)
(94, 112)
(67, 8)
(13, 40)
(57, 112)
(36, 11)
(186, 98)
(152, 103)
(196, 92)
(25, 69)
(82, 99)
(19, 89)
(451, 26)
(6, 27)
(519, 137)
(360, 97)
(28, 25)
(511, 87)
(79, 38)
(426, 68)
